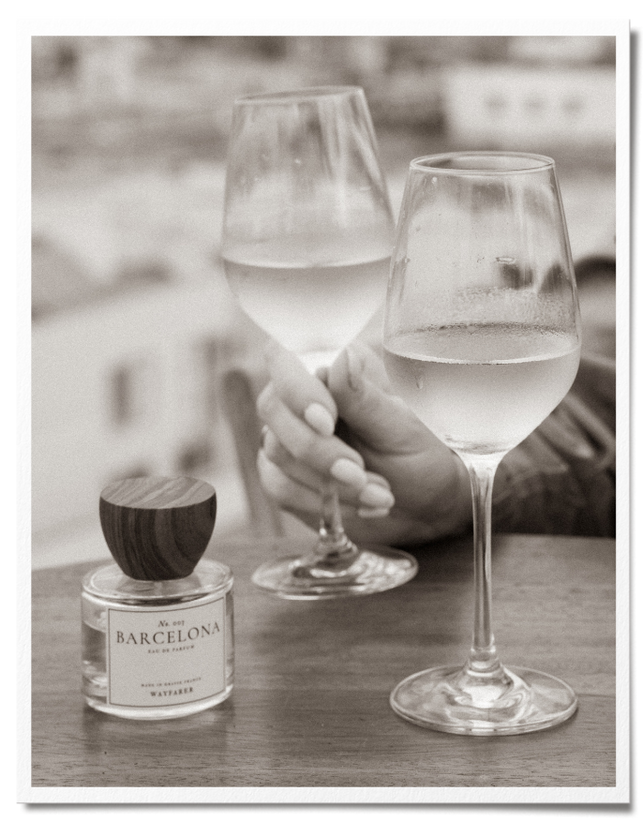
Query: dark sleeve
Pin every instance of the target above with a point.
(562, 478)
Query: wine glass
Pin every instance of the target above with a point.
(482, 341)
(307, 240)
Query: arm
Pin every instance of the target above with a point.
(562, 478)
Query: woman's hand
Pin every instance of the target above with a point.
(397, 483)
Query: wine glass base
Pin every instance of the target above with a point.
(526, 702)
(376, 568)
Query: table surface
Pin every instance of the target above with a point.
(312, 681)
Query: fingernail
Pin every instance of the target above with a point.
(320, 419)
(373, 512)
(376, 496)
(348, 472)
(377, 479)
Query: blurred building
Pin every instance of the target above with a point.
(133, 325)
(128, 386)
(530, 107)
(177, 92)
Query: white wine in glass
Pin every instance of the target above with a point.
(307, 240)
(482, 340)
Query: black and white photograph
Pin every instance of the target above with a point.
(328, 416)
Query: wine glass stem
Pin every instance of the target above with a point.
(483, 659)
(333, 541)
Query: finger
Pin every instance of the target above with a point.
(376, 496)
(305, 394)
(325, 454)
(375, 493)
(285, 490)
(276, 453)
(378, 418)
(290, 494)
(301, 501)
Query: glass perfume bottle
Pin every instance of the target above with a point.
(157, 625)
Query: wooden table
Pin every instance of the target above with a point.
(310, 704)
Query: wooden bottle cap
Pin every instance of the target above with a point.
(158, 528)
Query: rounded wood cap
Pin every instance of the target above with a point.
(158, 528)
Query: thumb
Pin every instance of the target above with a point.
(377, 417)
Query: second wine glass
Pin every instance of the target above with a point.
(482, 340)
(307, 239)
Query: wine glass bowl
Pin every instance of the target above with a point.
(308, 227)
(482, 340)
(482, 273)
(306, 247)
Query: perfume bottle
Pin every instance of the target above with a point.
(157, 625)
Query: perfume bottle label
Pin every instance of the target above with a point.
(165, 656)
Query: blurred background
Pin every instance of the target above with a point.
(133, 325)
